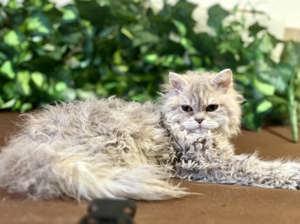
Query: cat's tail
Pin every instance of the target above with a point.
(82, 179)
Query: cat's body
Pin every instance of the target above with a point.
(97, 148)
(117, 149)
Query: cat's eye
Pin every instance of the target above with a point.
(186, 108)
(212, 107)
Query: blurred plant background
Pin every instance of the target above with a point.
(96, 48)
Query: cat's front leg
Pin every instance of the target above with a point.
(191, 155)
(250, 170)
(247, 170)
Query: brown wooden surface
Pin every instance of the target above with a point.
(216, 204)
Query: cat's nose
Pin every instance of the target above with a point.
(199, 120)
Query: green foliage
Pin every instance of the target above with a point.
(105, 47)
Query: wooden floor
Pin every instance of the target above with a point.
(216, 204)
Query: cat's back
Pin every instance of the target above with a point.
(90, 118)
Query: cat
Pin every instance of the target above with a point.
(110, 148)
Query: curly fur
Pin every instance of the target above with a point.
(118, 149)
(98, 148)
(204, 152)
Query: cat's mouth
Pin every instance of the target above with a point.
(209, 125)
(192, 125)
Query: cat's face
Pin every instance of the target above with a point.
(203, 101)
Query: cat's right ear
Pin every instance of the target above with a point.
(176, 81)
(223, 80)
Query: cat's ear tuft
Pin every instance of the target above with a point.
(223, 79)
(176, 81)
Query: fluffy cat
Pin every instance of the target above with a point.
(116, 149)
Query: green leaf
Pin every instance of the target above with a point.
(264, 88)
(266, 44)
(38, 79)
(26, 107)
(264, 106)
(9, 89)
(216, 15)
(139, 97)
(60, 86)
(117, 57)
(17, 105)
(250, 122)
(1, 102)
(8, 104)
(38, 23)
(82, 94)
(188, 45)
(143, 36)
(290, 53)
(23, 78)
(11, 38)
(180, 27)
(122, 68)
(7, 69)
(196, 60)
(24, 56)
(90, 10)
(69, 14)
(151, 58)
(69, 94)
(127, 33)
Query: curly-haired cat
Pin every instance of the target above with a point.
(117, 149)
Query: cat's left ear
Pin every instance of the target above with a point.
(223, 80)
(176, 81)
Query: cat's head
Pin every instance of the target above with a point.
(202, 101)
